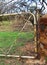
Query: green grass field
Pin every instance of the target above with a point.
(8, 38)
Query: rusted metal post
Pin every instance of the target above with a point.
(37, 31)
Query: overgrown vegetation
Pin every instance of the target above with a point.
(10, 38)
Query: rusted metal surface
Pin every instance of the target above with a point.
(43, 34)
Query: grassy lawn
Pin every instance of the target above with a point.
(8, 38)
(16, 39)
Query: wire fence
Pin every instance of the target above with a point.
(20, 42)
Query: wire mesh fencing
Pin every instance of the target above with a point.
(17, 36)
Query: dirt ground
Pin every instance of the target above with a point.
(20, 61)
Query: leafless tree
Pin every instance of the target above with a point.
(20, 6)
